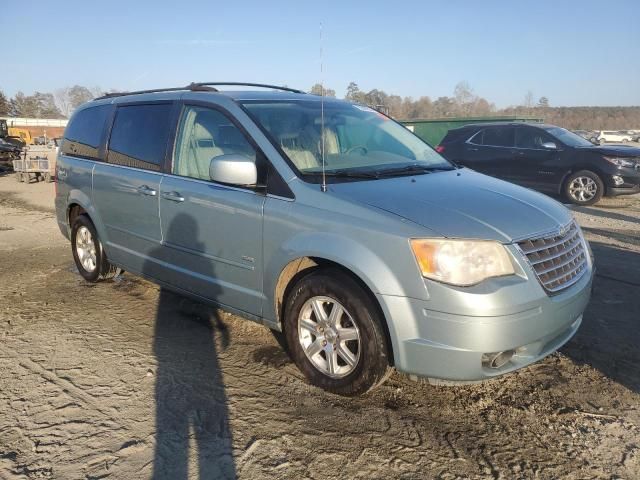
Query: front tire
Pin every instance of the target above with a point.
(88, 254)
(334, 333)
(584, 188)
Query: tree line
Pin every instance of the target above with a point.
(57, 104)
(464, 102)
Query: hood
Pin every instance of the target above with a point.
(614, 150)
(461, 204)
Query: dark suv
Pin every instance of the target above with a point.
(545, 158)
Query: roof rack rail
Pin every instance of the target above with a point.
(139, 92)
(201, 85)
(198, 87)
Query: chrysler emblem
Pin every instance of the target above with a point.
(564, 230)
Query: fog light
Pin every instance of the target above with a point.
(618, 180)
(497, 359)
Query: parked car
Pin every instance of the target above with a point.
(329, 223)
(616, 137)
(8, 151)
(587, 135)
(546, 158)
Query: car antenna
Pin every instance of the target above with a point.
(323, 187)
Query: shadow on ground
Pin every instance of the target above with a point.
(191, 403)
(610, 334)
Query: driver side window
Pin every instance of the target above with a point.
(204, 134)
(531, 138)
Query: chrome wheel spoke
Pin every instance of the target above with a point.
(335, 315)
(314, 348)
(318, 309)
(347, 334)
(309, 325)
(332, 361)
(346, 355)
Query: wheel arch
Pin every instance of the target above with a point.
(589, 168)
(299, 267)
(79, 203)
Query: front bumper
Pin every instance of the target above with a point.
(448, 346)
(631, 182)
(630, 190)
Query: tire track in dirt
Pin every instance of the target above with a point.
(67, 348)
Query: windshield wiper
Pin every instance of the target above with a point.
(348, 173)
(412, 169)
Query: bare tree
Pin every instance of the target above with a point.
(63, 102)
(464, 98)
(317, 90)
(67, 99)
(528, 99)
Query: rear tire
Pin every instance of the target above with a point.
(88, 254)
(583, 188)
(334, 333)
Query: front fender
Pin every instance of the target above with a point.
(373, 270)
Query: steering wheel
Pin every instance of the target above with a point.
(362, 148)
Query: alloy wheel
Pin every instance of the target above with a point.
(583, 189)
(329, 336)
(86, 249)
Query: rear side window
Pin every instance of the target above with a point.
(498, 137)
(139, 136)
(84, 132)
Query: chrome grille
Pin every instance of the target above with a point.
(559, 260)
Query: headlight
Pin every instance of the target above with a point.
(621, 162)
(461, 262)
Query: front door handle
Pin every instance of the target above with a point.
(173, 196)
(473, 149)
(145, 190)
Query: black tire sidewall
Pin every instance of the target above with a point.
(584, 173)
(80, 221)
(373, 362)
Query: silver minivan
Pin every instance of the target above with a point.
(352, 239)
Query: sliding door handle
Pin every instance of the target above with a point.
(145, 190)
(173, 196)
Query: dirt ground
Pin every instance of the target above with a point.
(122, 381)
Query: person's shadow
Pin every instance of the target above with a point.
(191, 404)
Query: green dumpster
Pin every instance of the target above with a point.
(433, 130)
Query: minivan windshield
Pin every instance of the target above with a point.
(358, 141)
(569, 138)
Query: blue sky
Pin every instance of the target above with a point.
(574, 52)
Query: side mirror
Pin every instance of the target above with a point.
(233, 169)
(550, 146)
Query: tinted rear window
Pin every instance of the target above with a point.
(139, 135)
(498, 137)
(84, 132)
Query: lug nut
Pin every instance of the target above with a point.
(324, 343)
